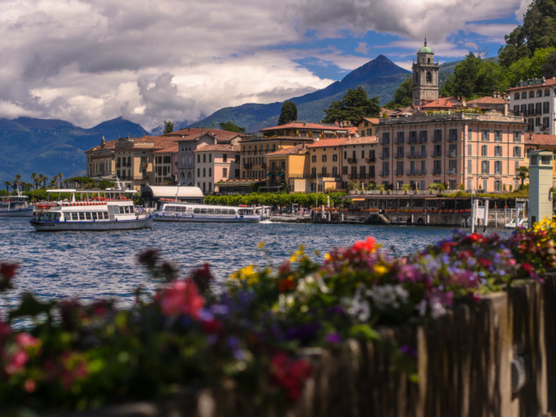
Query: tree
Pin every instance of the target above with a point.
(168, 126)
(231, 127)
(8, 184)
(403, 96)
(353, 106)
(60, 176)
(288, 113)
(538, 31)
(523, 174)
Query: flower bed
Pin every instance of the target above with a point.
(66, 355)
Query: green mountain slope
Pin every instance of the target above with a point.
(52, 146)
(379, 77)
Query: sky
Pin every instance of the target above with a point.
(88, 61)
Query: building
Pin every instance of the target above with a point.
(190, 140)
(540, 143)
(359, 161)
(100, 160)
(288, 169)
(214, 164)
(462, 150)
(306, 130)
(165, 165)
(367, 126)
(325, 162)
(425, 76)
(535, 101)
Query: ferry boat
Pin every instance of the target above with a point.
(15, 206)
(185, 212)
(93, 214)
(517, 223)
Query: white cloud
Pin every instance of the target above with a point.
(87, 61)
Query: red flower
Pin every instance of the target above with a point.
(485, 263)
(289, 374)
(368, 245)
(528, 268)
(213, 326)
(181, 297)
(7, 272)
(286, 284)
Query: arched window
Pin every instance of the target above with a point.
(429, 77)
(531, 94)
(539, 93)
(547, 92)
(516, 97)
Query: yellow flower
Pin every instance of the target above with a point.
(260, 245)
(380, 269)
(247, 274)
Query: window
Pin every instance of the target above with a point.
(210, 172)
(362, 154)
(484, 150)
(547, 92)
(497, 167)
(546, 107)
(498, 136)
(485, 167)
(452, 166)
(399, 168)
(314, 158)
(437, 135)
(204, 157)
(453, 135)
(423, 136)
(517, 136)
(437, 150)
(531, 94)
(199, 158)
(485, 135)
(335, 157)
(386, 138)
(225, 158)
(324, 158)
(385, 168)
(469, 167)
(204, 172)
(497, 185)
(198, 172)
(210, 160)
(517, 151)
(497, 151)
(516, 96)
(539, 93)
(538, 108)
(335, 171)
(314, 172)
(400, 138)
(225, 172)
(399, 152)
(545, 122)
(437, 168)
(452, 150)
(324, 171)
(470, 150)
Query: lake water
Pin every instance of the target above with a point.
(89, 265)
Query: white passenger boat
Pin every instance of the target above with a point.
(15, 206)
(93, 214)
(519, 223)
(185, 212)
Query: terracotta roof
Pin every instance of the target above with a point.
(196, 132)
(487, 100)
(294, 150)
(375, 120)
(445, 102)
(361, 140)
(111, 144)
(224, 148)
(323, 143)
(547, 83)
(267, 139)
(540, 140)
(171, 149)
(303, 125)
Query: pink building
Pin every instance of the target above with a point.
(461, 150)
(215, 163)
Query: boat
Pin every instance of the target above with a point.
(520, 223)
(15, 206)
(187, 212)
(116, 212)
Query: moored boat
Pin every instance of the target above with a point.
(184, 212)
(101, 214)
(15, 206)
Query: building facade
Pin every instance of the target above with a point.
(216, 163)
(535, 101)
(100, 160)
(359, 161)
(165, 166)
(325, 164)
(425, 76)
(306, 130)
(288, 169)
(462, 151)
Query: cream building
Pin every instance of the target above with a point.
(535, 101)
(214, 164)
(359, 161)
(325, 164)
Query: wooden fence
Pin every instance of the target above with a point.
(496, 358)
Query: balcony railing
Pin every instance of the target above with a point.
(436, 171)
(436, 154)
(399, 155)
(352, 160)
(384, 174)
(370, 159)
(384, 156)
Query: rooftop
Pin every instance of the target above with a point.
(324, 143)
(300, 149)
(220, 147)
(304, 125)
(540, 140)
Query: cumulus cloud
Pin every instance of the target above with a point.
(87, 61)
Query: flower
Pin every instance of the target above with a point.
(7, 272)
(289, 374)
(181, 297)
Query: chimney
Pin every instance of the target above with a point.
(506, 106)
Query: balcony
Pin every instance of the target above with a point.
(436, 154)
(437, 139)
(247, 166)
(370, 159)
(452, 171)
(385, 141)
(436, 171)
(453, 139)
(400, 140)
(352, 160)
(399, 172)
(399, 155)
(452, 154)
(384, 174)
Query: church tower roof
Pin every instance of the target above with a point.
(425, 49)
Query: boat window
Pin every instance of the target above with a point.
(57, 216)
(116, 210)
(88, 216)
(196, 210)
(204, 210)
(81, 216)
(74, 216)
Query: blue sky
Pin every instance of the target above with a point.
(87, 61)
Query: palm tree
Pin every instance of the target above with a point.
(8, 184)
(34, 178)
(60, 176)
(44, 179)
(523, 174)
(54, 181)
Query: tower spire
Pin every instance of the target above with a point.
(425, 40)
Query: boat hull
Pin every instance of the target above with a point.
(199, 218)
(28, 212)
(91, 226)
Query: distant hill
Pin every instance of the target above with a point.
(47, 146)
(379, 77)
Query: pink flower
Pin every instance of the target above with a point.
(25, 340)
(30, 385)
(181, 297)
(17, 361)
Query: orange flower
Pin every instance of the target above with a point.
(286, 284)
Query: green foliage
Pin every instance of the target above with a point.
(475, 77)
(354, 105)
(104, 184)
(231, 127)
(538, 31)
(288, 113)
(402, 95)
(276, 199)
(168, 126)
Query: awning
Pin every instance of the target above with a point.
(280, 174)
(357, 199)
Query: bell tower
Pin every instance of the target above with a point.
(425, 76)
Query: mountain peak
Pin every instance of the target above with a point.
(379, 67)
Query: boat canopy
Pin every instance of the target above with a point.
(181, 193)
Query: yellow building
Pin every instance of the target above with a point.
(367, 126)
(306, 130)
(100, 160)
(289, 167)
(325, 164)
(359, 161)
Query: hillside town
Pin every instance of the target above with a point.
(475, 145)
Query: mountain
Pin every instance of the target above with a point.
(379, 77)
(48, 146)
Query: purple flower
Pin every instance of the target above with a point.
(333, 338)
